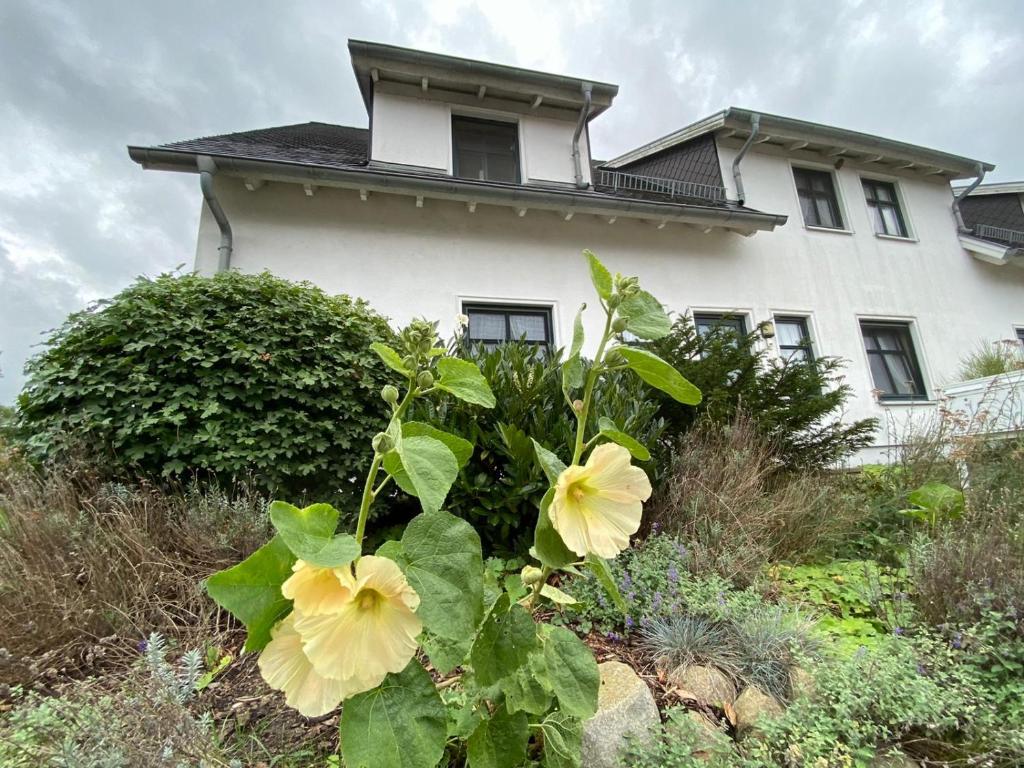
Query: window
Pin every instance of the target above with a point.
(794, 338)
(705, 322)
(493, 324)
(884, 207)
(1020, 335)
(894, 367)
(485, 150)
(818, 200)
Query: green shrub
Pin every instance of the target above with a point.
(796, 405)
(230, 375)
(499, 489)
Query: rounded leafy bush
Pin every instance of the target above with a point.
(233, 374)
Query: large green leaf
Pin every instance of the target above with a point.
(431, 468)
(400, 724)
(599, 567)
(563, 741)
(645, 317)
(548, 546)
(460, 448)
(499, 741)
(390, 358)
(572, 670)
(572, 368)
(443, 563)
(504, 642)
(309, 534)
(445, 653)
(524, 690)
(599, 276)
(660, 375)
(463, 379)
(616, 435)
(549, 462)
(251, 590)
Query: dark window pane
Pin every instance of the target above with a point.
(530, 326)
(493, 324)
(818, 202)
(486, 325)
(894, 367)
(885, 208)
(485, 150)
(706, 322)
(793, 338)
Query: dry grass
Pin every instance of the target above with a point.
(727, 495)
(88, 569)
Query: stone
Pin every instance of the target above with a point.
(625, 710)
(898, 760)
(801, 683)
(752, 705)
(709, 737)
(708, 685)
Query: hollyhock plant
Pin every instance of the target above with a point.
(334, 624)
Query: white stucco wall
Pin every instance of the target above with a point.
(417, 131)
(410, 261)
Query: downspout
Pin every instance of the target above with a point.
(577, 164)
(737, 176)
(207, 168)
(957, 198)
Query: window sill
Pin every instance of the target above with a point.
(897, 238)
(833, 230)
(886, 402)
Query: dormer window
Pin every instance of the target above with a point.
(485, 150)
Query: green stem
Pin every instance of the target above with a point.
(371, 476)
(545, 572)
(588, 390)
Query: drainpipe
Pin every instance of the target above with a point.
(957, 198)
(207, 168)
(755, 126)
(584, 114)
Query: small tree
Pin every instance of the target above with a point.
(233, 374)
(796, 404)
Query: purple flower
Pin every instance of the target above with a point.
(958, 640)
(629, 622)
(921, 670)
(656, 602)
(655, 527)
(612, 636)
(141, 646)
(630, 596)
(673, 574)
(681, 550)
(897, 631)
(627, 582)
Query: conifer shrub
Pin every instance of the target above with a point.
(796, 404)
(230, 375)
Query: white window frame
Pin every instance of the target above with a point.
(901, 200)
(929, 396)
(847, 228)
(497, 116)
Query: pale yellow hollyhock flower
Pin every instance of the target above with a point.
(286, 668)
(315, 590)
(597, 507)
(372, 634)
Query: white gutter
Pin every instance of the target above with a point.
(957, 198)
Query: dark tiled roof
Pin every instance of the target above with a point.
(321, 144)
(695, 160)
(1003, 211)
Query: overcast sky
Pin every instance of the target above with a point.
(79, 81)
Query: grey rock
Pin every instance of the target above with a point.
(705, 684)
(709, 737)
(752, 705)
(801, 683)
(625, 710)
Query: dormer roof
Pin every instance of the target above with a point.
(438, 74)
(801, 135)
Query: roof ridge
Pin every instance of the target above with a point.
(260, 130)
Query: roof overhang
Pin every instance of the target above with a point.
(833, 143)
(992, 253)
(376, 62)
(996, 188)
(522, 198)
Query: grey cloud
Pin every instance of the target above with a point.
(79, 81)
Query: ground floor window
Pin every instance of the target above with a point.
(794, 337)
(893, 360)
(705, 322)
(494, 324)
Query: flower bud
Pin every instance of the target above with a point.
(409, 362)
(381, 443)
(614, 300)
(577, 405)
(425, 380)
(389, 394)
(531, 574)
(619, 324)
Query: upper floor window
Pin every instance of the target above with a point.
(894, 367)
(884, 207)
(486, 150)
(494, 324)
(818, 201)
(1020, 335)
(793, 337)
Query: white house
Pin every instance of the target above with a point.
(473, 191)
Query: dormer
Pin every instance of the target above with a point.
(475, 120)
